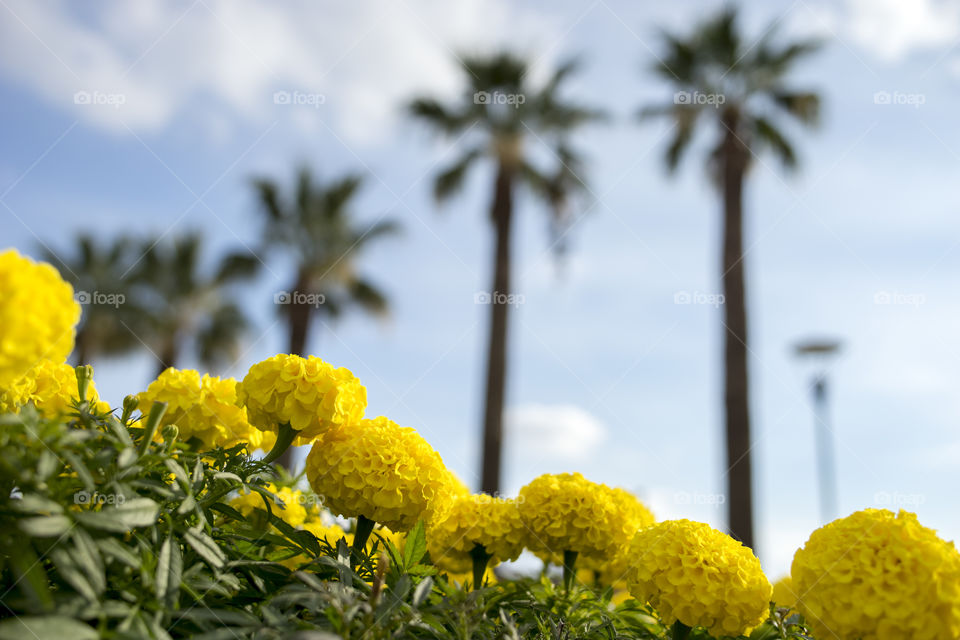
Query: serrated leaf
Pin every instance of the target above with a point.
(187, 505)
(46, 627)
(178, 471)
(81, 469)
(343, 562)
(112, 548)
(127, 457)
(32, 503)
(138, 512)
(415, 546)
(45, 526)
(205, 547)
(87, 558)
(169, 572)
(69, 571)
(422, 591)
(30, 576)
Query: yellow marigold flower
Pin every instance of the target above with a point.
(203, 408)
(307, 393)
(330, 533)
(567, 512)
(52, 388)
(784, 594)
(379, 470)
(693, 573)
(632, 516)
(476, 519)
(292, 510)
(37, 316)
(878, 576)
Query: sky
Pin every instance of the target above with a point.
(153, 118)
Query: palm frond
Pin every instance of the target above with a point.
(450, 180)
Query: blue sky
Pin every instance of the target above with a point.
(608, 375)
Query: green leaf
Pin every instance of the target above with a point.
(69, 571)
(30, 576)
(114, 549)
(46, 627)
(45, 526)
(415, 546)
(205, 547)
(422, 591)
(169, 572)
(138, 512)
(87, 558)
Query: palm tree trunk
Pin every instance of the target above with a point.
(81, 350)
(736, 387)
(501, 214)
(168, 355)
(299, 317)
(299, 323)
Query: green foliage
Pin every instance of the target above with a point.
(115, 529)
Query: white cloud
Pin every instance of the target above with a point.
(561, 431)
(892, 29)
(364, 57)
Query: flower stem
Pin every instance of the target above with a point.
(569, 560)
(480, 560)
(680, 631)
(364, 529)
(285, 437)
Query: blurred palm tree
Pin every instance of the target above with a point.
(738, 86)
(496, 113)
(316, 226)
(98, 273)
(185, 306)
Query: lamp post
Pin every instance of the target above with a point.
(820, 352)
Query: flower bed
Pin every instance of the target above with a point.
(160, 520)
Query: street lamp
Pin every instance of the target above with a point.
(820, 352)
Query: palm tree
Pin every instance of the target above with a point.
(316, 225)
(184, 306)
(740, 86)
(497, 112)
(98, 273)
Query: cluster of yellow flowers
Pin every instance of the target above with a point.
(381, 471)
(307, 393)
(491, 522)
(38, 315)
(693, 573)
(295, 507)
(873, 575)
(784, 593)
(204, 408)
(878, 575)
(51, 388)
